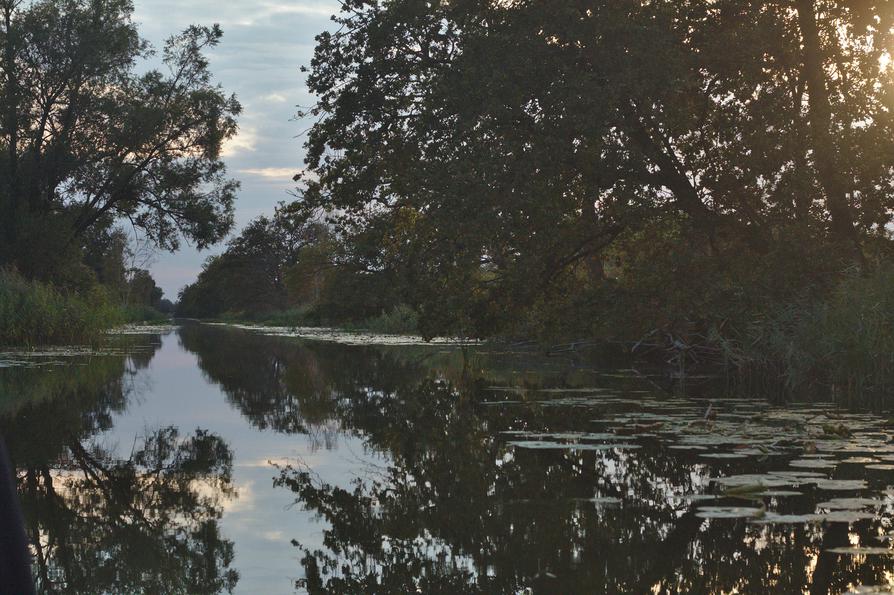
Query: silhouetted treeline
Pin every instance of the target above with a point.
(290, 268)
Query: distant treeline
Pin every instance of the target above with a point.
(293, 270)
(93, 143)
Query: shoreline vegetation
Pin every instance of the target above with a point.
(400, 320)
(36, 314)
(840, 345)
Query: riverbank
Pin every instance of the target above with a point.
(400, 320)
(344, 336)
(34, 313)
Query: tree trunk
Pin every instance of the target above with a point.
(11, 125)
(671, 172)
(825, 152)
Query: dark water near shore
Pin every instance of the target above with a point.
(202, 459)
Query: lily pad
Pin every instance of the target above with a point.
(871, 590)
(698, 497)
(546, 445)
(779, 493)
(728, 512)
(813, 464)
(561, 435)
(838, 516)
(801, 476)
(572, 390)
(840, 484)
(761, 481)
(850, 503)
(601, 501)
(862, 551)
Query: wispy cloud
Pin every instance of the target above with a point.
(228, 13)
(275, 536)
(271, 173)
(274, 98)
(323, 10)
(271, 10)
(265, 42)
(245, 141)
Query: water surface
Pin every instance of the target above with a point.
(204, 459)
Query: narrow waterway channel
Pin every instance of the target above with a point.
(201, 458)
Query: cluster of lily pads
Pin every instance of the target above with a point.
(143, 329)
(345, 337)
(62, 356)
(789, 451)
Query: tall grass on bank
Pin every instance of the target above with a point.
(294, 317)
(33, 313)
(401, 320)
(839, 346)
(141, 314)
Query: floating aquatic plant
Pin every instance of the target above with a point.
(729, 512)
(547, 445)
(863, 551)
(808, 443)
(850, 503)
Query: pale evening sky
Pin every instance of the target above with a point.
(264, 44)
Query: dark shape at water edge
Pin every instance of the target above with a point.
(15, 562)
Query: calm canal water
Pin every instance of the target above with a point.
(203, 459)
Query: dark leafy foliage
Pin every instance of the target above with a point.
(493, 154)
(89, 136)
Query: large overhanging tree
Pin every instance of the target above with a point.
(488, 147)
(90, 134)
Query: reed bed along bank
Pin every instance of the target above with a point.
(34, 313)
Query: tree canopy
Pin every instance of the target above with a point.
(498, 152)
(91, 135)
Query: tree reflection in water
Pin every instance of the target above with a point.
(102, 523)
(457, 510)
